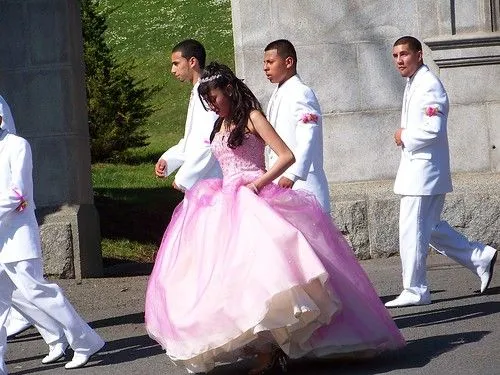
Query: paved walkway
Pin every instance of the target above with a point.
(458, 334)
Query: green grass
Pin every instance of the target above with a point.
(144, 31)
(134, 206)
(134, 209)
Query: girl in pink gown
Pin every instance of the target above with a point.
(248, 268)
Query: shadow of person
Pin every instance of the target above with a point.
(123, 350)
(447, 315)
(491, 291)
(136, 318)
(127, 349)
(416, 354)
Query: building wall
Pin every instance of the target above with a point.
(344, 53)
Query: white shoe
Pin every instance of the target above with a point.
(488, 274)
(56, 352)
(409, 299)
(15, 327)
(81, 359)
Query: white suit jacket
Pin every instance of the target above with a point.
(192, 155)
(424, 168)
(7, 119)
(287, 107)
(19, 233)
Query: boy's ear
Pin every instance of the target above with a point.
(289, 62)
(193, 61)
(421, 56)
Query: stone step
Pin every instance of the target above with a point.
(367, 212)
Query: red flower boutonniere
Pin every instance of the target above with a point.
(309, 117)
(432, 111)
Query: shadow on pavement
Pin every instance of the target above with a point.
(122, 268)
(137, 318)
(127, 349)
(124, 350)
(447, 315)
(415, 355)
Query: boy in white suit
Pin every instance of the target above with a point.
(21, 308)
(192, 155)
(424, 178)
(294, 112)
(16, 323)
(20, 258)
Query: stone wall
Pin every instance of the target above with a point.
(42, 78)
(344, 53)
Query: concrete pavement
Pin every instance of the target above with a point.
(458, 334)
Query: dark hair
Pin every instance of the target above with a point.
(412, 42)
(192, 48)
(243, 101)
(284, 48)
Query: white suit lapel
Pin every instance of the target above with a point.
(272, 108)
(274, 102)
(3, 134)
(404, 110)
(411, 85)
(190, 113)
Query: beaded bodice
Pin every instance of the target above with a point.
(247, 159)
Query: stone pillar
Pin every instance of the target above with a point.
(42, 78)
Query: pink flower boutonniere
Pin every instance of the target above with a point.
(23, 203)
(309, 117)
(432, 111)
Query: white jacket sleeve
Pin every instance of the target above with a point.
(431, 121)
(21, 180)
(307, 120)
(174, 157)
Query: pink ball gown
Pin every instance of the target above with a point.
(235, 270)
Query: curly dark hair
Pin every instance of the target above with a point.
(243, 101)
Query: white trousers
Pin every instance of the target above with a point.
(23, 312)
(49, 306)
(420, 226)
